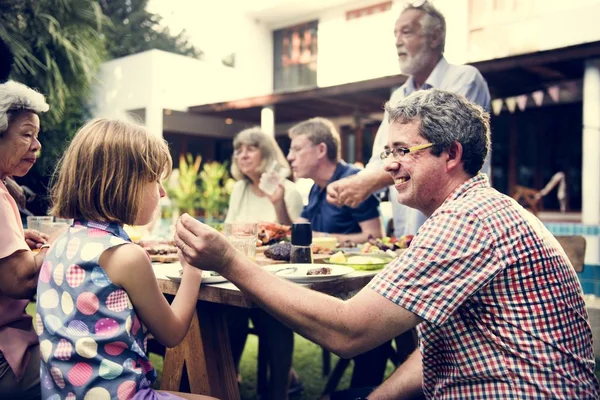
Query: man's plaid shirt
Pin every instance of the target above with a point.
(504, 316)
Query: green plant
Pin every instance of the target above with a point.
(183, 188)
(216, 189)
(208, 189)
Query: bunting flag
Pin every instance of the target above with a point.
(553, 91)
(497, 106)
(538, 97)
(522, 102)
(511, 104)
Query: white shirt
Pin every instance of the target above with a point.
(461, 79)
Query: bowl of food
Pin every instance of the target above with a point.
(363, 262)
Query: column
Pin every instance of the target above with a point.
(154, 119)
(267, 120)
(590, 208)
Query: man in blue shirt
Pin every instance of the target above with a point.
(420, 40)
(315, 154)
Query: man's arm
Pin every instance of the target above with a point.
(353, 190)
(369, 227)
(345, 327)
(404, 383)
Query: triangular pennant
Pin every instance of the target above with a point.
(522, 102)
(511, 104)
(538, 97)
(497, 106)
(554, 91)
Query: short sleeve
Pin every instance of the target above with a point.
(366, 210)
(449, 260)
(12, 236)
(293, 200)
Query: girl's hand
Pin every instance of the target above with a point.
(202, 246)
(35, 239)
(187, 267)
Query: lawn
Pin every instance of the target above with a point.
(307, 362)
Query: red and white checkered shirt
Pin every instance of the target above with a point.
(504, 316)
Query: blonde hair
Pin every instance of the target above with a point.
(266, 144)
(320, 130)
(102, 174)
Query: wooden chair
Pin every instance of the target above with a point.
(574, 247)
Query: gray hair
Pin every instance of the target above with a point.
(447, 118)
(16, 97)
(431, 21)
(320, 130)
(266, 144)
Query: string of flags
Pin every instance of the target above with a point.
(563, 92)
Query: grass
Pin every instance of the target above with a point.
(307, 362)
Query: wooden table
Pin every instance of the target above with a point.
(205, 353)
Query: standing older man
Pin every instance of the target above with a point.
(420, 40)
(497, 304)
(315, 154)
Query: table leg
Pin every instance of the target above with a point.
(206, 354)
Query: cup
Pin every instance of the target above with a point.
(242, 235)
(272, 177)
(68, 221)
(49, 227)
(35, 223)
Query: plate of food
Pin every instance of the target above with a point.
(207, 277)
(365, 262)
(308, 273)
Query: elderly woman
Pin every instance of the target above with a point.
(254, 152)
(19, 265)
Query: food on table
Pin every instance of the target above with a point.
(279, 251)
(325, 242)
(270, 233)
(347, 244)
(160, 250)
(337, 258)
(320, 250)
(319, 271)
(376, 245)
(365, 260)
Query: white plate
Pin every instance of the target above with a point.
(206, 277)
(300, 274)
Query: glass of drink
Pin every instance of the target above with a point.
(35, 223)
(242, 235)
(272, 177)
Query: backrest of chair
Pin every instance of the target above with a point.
(574, 247)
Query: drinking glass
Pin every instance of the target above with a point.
(242, 235)
(272, 177)
(35, 223)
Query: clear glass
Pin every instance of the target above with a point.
(243, 236)
(35, 223)
(272, 178)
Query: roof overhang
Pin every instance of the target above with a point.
(506, 77)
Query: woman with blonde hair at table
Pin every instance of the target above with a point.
(254, 152)
(94, 344)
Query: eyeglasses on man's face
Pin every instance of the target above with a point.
(400, 152)
(298, 149)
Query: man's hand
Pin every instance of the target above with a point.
(202, 246)
(35, 239)
(16, 192)
(349, 191)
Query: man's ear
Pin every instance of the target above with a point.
(455, 156)
(435, 38)
(321, 150)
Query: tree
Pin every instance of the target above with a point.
(134, 29)
(57, 46)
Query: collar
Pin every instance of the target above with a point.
(478, 181)
(110, 227)
(434, 79)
